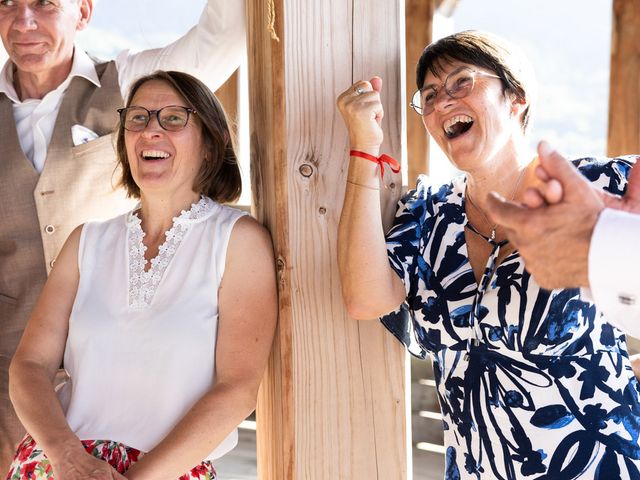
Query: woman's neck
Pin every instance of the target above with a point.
(158, 211)
(507, 175)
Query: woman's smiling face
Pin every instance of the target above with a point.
(477, 126)
(161, 159)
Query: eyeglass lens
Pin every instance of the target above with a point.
(171, 118)
(458, 84)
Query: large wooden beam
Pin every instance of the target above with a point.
(275, 433)
(418, 33)
(332, 404)
(228, 96)
(624, 92)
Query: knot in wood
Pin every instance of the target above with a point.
(306, 170)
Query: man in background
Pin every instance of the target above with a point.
(57, 167)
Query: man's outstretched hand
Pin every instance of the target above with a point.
(553, 229)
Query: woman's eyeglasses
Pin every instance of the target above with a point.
(171, 118)
(458, 84)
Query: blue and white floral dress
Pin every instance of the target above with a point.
(532, 383)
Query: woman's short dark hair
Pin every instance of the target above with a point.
(219, 175)
(486, 51)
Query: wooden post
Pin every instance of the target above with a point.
(624, 92)
(418, 33)
(228, 96)
(332, 404)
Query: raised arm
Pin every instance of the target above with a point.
(34, 367)
(211, 50)
(247, 320)
(369, 286)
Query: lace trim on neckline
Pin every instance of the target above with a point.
(143, 284)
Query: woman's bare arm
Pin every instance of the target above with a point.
(34, 367)
(369, 286)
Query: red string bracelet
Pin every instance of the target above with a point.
(381, 160)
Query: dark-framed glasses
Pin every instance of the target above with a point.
(171, 118)
(458, 84)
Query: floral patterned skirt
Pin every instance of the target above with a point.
(30, 462)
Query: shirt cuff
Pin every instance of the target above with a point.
(614, 263)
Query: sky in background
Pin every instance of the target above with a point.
(137, 25)
(569, 44)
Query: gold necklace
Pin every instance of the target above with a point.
(486, 220)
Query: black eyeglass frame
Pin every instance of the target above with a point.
(123, 111)
(417, 107)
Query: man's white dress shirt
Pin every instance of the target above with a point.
(614, 268)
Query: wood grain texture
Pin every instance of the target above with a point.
(624, 92)
(349, 421)
(228, 96)
(274, 414)
(335, 385)
(418, 33)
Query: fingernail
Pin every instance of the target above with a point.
(544, 148)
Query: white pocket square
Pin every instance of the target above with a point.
(81, 134)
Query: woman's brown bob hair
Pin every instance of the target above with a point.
(219, 175)
(487, 51)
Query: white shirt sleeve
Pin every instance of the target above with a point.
(614, 269)
(211, 50)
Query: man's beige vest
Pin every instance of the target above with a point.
(39, 211)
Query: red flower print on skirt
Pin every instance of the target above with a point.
(30, 462)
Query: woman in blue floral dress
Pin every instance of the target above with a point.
(532, 383)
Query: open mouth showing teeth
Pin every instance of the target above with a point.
(456, 126)
(154, 155)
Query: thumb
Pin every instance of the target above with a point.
(559, 168)
(506, 213)
(376, 84)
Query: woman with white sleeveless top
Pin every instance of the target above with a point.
(163, 317)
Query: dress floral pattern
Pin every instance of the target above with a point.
(30, 463)
(532, 383)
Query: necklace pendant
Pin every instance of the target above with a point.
(493, 234)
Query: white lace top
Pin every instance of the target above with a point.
(143, 284)
(141, 345)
